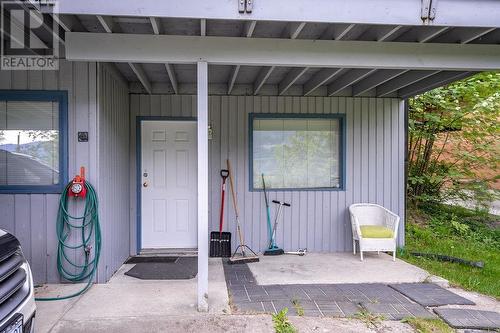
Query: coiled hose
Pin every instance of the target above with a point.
(89, 246)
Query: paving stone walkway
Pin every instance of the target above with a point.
(428, 294)
(332, 300)
(469, 318)
(393, 302)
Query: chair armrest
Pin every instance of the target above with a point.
(391, 221)
(356, 230)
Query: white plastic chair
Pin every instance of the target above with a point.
(364, 214)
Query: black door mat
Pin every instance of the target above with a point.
(140, 259)
(430, 294)
(182, 269)
(470, 319)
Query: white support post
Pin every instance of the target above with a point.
(202, 106)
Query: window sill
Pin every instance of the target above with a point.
(311, 189)
(18, 189)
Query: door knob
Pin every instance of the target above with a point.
(145, 184)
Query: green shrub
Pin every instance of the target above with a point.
(281, 322)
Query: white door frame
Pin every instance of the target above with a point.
(138, 156)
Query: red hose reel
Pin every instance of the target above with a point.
(77, 188)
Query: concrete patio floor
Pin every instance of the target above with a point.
(334, 268)
(124, 297)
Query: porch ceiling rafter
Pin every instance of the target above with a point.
(378, 78)
(374, 78)
(383, 12)
(402, 81)
(280, 52)
(348, 79)
(155, 25)
(248, 32)
(427, 35)
(440, 78)
(320, 79)
(157, 30)
(431, 82)
(110, 26)
(292, 31)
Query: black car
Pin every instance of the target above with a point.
(17, 301)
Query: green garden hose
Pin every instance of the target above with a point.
(87, 226)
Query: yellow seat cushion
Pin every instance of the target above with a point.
(376, 231)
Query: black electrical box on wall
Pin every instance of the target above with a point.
(83, 136)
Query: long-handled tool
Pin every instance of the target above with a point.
(299, 252)
(268, 210)
(243, 257)
(220, 242)
(273, 249)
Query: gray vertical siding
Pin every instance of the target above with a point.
(317, 220)
(32, 217)
(113, 166)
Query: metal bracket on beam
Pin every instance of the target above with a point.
(245, 6)
(428, 12)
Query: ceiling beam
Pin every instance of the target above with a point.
(203, 27)
(434, 32)
(68, 22)
(294, 29)
(474, 34)
(343, 32)
(320, 78)
(402, 81)
(290, 79)
(390, 34)
(384, 12)
(107, 23)
(348, 79)
(431, 82)
(248, 32)
(423, 81)
(280, 52)
(157, 29)
(232, 79)
(261, 79)
(141, 75)
(376, 79)
(110, 26)
(172, 77)
(155, 25)
(249, 28)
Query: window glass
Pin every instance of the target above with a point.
(29, 143)
(296, 153)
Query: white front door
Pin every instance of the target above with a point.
(169, 184)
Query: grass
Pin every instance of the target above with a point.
(371, 320)
(456, 232)
(281, 322)
(298, 307)
(421, 325)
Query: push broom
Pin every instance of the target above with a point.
(242, 256)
